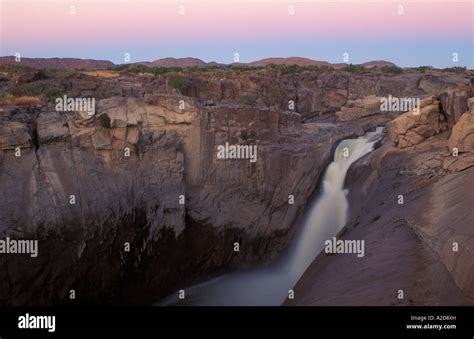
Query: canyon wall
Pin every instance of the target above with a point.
(142, 172)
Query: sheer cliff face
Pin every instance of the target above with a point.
(145, 171)
(132, 202)
(422, 244)
(75, 188)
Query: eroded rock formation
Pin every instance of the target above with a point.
(143, 170)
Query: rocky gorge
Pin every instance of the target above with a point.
(131, 203)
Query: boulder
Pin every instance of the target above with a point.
(459, 163)
(462, 136)
(101, 140)
(350, 113)
(52, 127)
(454, 102)
(356, 109)
(14, 134)
(120, 133)
(471, 105)
(30, 75)
(132, 135)
(411, 128)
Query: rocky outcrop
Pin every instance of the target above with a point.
(356, 109)
(454, 102)
(462, 136)
(14, 134)
(437, 113)
(143, 172)
(313, 93)
(414, 127)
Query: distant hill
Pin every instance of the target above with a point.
(67, 63)
(174, 62)
(293, 61)
(378, 63)
(90, 64)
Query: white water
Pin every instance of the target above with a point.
(269, 286)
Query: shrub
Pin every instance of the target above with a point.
(354, 68)
(52, 92)
(455, 69)
(104, 121)
(391, 69)
(177, 81)
(291, 69)
(271, 67)
(421, 69)
(248, 135)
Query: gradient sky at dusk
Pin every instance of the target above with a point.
(427, 33)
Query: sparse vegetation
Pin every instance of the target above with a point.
(181, 70)
(52, 92)
(292, 69)
(247, 135)
(455, 69)
(282, 69)
(391, 69)
(354, 68)
(21, 100)
(178, 81)
(102, 74)
(421, 69)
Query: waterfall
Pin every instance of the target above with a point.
(325, 218)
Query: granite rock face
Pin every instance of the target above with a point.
(132, 202)
(462, 136)
(414, 127)
(141, 171)
(72, 188)
(454, 102)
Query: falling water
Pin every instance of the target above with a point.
(325, 218)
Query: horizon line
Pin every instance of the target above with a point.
(233, 63)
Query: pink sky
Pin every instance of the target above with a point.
(428, 32)
(50, 22)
